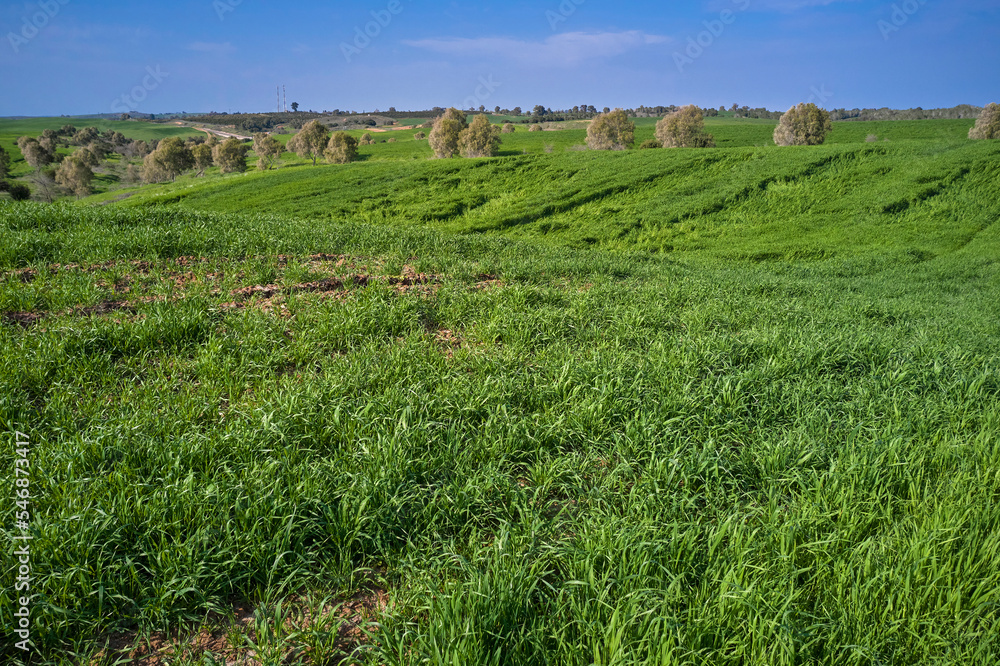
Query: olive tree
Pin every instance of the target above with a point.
(684, 128)
(202, 154)
(231, 155)
(479, 139)
(988, 124)
(34, 154)
(75, 175)
(173, 156)
(447, 130)
(803, 125)
(268, 150)
(342, 148)
(611, 131)
(4, 163)
(311, 141)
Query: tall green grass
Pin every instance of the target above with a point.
(609, 458)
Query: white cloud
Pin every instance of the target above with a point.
(567, 48)
(212, 47)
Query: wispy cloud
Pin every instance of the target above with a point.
(567, 48)
(212, 47)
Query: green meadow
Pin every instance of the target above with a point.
(723, 406)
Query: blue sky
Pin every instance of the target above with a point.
(76, 57)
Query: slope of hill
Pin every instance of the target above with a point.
(909, 199)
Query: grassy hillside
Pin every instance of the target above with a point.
(284, 429)
(909, 199)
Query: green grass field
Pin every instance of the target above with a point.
(730, 406)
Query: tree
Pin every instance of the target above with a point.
(86, 136)
(685, 128)
(173, 156)
(231, 155)
(34, 154)
(516, 111)
(4, 163)
(447, 130)
(295, 106)
(803, 125)
(75, 176)
(342, 148)
(611, 131)
(311, 141)
(153, 170)
(268, 150)
(480, 139)
(202, 154)
(988, 124)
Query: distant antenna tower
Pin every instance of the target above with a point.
(277, 92)
(284, 98)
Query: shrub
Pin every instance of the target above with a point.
(988, 124)
(684, 128)
(419, 136)
(366, 140)
(651, 143)
(480, 139)
(342, 148)
(535, 128)
(611, 131)
(392, 140)
(20, 192)
(447, 131)
(871, 138)
(508, 128)
(803, 125)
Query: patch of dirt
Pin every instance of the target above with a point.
(392, 129)
(223, 636)
(25, 319)
(486, 281)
